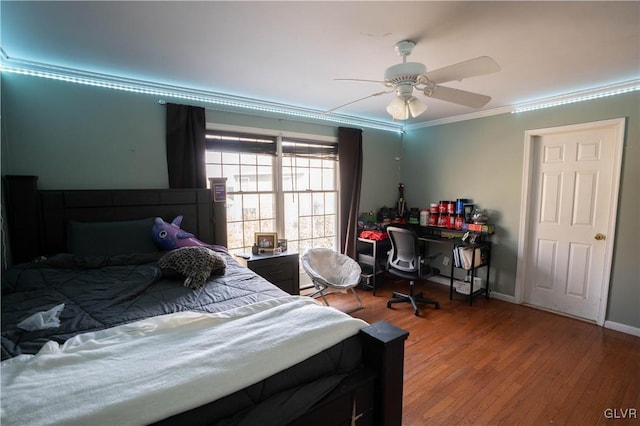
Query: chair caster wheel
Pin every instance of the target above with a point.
(388, 305)
(417, 312)
(437, 306)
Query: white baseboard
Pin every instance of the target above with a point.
(501, 296)
(624, 328)
(440, 280)
(494, 295)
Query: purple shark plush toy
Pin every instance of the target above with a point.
(169, 236)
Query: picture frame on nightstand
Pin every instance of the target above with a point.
(266, 241)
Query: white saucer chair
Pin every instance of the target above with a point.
(331, 270)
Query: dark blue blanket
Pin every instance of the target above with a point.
(102, 292)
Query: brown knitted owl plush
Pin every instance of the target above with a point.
(196, 263)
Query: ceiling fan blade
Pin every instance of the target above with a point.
(457, 96)
(471, 68)
(359, 80)
(357, 100)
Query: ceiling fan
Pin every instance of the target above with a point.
(406, 76)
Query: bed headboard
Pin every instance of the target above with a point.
(38, 218)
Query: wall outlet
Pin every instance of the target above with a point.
(445, 261)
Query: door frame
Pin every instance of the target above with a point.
(526, 202)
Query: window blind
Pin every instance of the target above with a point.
(310, 149)
(241, 142)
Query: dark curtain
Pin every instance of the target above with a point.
(186, 127)
(350, 160)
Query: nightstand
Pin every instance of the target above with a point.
(279, 269)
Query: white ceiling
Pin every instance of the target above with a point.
(290, 52)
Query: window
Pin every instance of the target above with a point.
(309, 183)
(294, 194)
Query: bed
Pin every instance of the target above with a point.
(119, 340)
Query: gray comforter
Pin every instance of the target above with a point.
(102, 292)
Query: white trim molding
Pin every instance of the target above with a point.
(623, 328)
(233, 103)
(569, 98)
(219, 101)
(443, 280)
(584, 95)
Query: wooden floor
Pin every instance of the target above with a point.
(497, 363)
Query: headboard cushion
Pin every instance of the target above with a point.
(38, 219)
(59, 208)
(110, 238)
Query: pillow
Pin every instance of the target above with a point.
(196, 263)
(110, 238)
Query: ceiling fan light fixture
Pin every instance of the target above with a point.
(416, 106)
(400, 108)
(397, 108)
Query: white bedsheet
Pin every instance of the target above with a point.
(148, 370)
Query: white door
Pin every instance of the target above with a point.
(572, 203)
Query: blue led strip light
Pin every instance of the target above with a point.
(227, 102)
(612, 90)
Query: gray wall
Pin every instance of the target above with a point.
(77, 137)
(482, 159)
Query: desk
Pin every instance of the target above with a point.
(372, 256)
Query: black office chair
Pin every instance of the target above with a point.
(405, 261)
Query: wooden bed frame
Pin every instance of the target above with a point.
(37, 226)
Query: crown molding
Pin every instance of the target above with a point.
(580, 96)
(568, 98)
(232, 103)
(463, 117)
(218, 101)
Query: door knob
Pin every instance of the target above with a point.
(599, 236)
